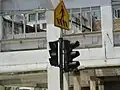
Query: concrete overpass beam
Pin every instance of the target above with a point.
(37, 88)
(76, 81)
(2, 87)
(92, 83)
(66, 81)
(100, 85)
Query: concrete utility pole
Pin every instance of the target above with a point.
(53, 34)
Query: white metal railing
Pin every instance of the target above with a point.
(23, 44)
(88, 40)
(116, 38)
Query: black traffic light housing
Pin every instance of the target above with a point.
(69, 55)
(53, 53)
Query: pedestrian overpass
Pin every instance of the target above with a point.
(31, 67)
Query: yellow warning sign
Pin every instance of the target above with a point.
(61, 16)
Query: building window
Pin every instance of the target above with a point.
(117, 13)
(44, 25)
(38, 28)
(30, 29)
(18, 28)
(116, 16)
(7, 28)
(116, 21)
(32, 17)
(85, 20)
(41, 16)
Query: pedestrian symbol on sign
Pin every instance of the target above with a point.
(61, 16)
(62, 13)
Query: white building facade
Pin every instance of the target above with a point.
(95, 24)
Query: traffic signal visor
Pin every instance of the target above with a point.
(70, 54)
(53, 53)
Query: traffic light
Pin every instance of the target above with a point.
(69, 55)
(53, 53)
